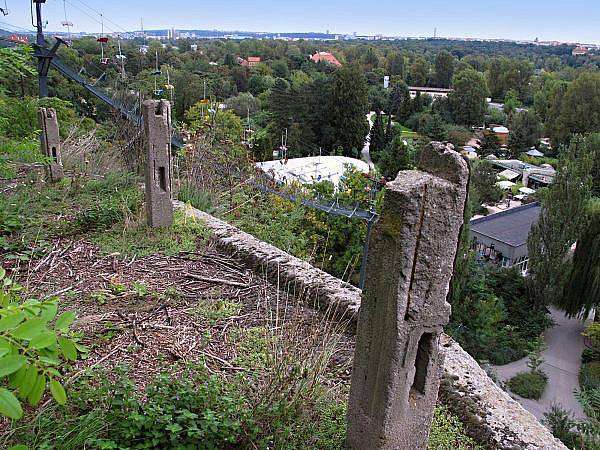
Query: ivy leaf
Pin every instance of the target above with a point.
(9, 405)
(65, 319)
(11, 321)
(43, 340)
(58, 392)
(29, 329)
(68, 348)
(36, 393)
(10, 364)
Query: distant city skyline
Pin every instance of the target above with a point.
(577, 21)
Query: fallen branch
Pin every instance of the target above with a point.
(216, 280)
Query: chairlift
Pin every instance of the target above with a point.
(102, 40)
(5, 10)
(67, 23)
(157, 91)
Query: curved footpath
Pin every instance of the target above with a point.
(366, 156)
(562, 361)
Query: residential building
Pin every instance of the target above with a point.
(580, 50)
(502, 133)
(431, 91)
(501, 238)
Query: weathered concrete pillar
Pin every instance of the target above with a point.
(397, 363)
(50, 142)
(157, 125)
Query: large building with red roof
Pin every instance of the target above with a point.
(325, 56)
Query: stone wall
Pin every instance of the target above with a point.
(489, 413)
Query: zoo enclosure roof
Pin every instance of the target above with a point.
(511, 226)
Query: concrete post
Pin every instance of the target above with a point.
(157, 126)
(397, 363)
(50, 142)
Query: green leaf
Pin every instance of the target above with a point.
(16, 378)
(29, 329)
(49, 311)
(2, 273)
(3, 351)
(9, 405)
(43, 340)
(65, 319)
(10, 364)
(19, 447)
(68, 348)
(58, 392)
(36, 393)
(11, 321)
(28, 382)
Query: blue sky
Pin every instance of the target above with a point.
(574, 21)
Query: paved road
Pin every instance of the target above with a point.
(562, 363)
(365, 151)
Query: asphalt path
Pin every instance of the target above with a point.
(562, 361)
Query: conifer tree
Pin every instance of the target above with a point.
(377, 136)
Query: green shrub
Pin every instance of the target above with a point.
(561, 423)
(528, 384)
(199, 199)
(22, 116)
(34, 345)
(589, 375)
(590, 354)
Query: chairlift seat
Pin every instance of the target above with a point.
(104, 61)
(103, 40)
(158, 91)
(156, 72)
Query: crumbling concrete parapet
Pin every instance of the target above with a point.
(50, 143)
(397, 363)
(158, 173)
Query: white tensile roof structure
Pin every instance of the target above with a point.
(536, 153)
(505, 184)
(508, 174)
(311, 169)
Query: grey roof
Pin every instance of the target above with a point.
(511, 226)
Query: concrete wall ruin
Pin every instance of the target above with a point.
(489, 413)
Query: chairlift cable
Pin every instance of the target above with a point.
(5, 9)
(66, 22)
(99, 13)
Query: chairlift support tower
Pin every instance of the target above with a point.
(43, 55)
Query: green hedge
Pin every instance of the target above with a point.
(589, 376)
(528, 384)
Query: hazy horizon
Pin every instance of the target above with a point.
(484, 19)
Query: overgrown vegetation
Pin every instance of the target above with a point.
(494, 318)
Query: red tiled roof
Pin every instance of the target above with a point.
(254, 59)
(325, 56)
